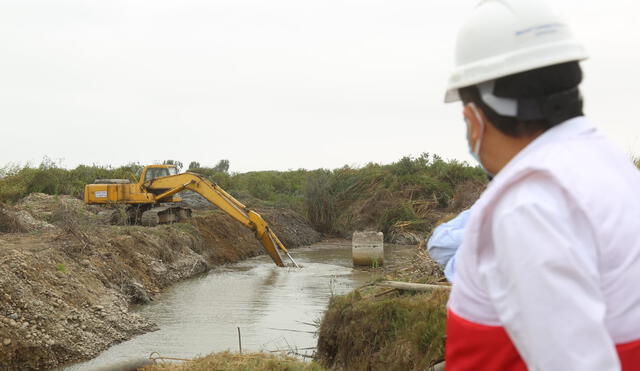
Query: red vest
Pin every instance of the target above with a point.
(475, 347)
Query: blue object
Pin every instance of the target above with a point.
(445, 241)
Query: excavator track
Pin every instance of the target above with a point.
(165, 215)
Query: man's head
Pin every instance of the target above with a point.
(517, 75)
(508, 113)
(530, 102)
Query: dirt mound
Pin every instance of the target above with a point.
(42, 206)
(230, 242)
(65, 290)
(16, 221)
(9, 222)
(290, 227)
(195, 201)
(225, 239)
(65, 296)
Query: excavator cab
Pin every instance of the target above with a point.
(156, 171)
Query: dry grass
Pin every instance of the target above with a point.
(376, 328)
(405, 332)
(239, 362)
(9, 222)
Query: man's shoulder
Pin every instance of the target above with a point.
(535, 189)
(563, 178)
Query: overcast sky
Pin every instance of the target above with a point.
(280, 84)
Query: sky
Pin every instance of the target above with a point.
(268, 85)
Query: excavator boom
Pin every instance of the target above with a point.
(165, 187)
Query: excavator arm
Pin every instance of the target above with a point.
(167, 186)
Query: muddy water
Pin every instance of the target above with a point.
(275, 308)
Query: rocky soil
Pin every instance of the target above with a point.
(67, 280)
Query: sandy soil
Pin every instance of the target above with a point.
(67, 280)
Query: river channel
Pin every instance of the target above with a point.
(275, 308)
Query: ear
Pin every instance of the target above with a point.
(475, 122)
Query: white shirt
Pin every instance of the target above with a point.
(552, 252)
(445, 240)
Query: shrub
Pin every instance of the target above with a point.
(318, 201)
(17, 182)
(334, 201)
(402, 333)
(400, 213)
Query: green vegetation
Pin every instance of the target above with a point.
(403, 194)
(374, 328)
(19, 181)
(404, 332)
(412, 193)
(240, 362)
(409, 194)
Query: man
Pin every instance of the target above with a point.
(445, 240)
(547, 275)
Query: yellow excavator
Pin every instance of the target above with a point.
(149, 202)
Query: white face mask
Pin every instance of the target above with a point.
(474, 149)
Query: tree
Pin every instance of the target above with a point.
(176, 163)
(194, 165)
(222, 166)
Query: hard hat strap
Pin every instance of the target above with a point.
(501, 105)
(555, 108)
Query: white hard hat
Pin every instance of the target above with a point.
(504, 37)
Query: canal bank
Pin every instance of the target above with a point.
(277, 310)
(67, 284)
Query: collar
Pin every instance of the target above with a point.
(564, 131)
(571, 128)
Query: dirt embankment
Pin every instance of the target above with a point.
(67, 280)
(374, 328)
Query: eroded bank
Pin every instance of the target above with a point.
(67, 281)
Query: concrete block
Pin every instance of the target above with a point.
(368, 249)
